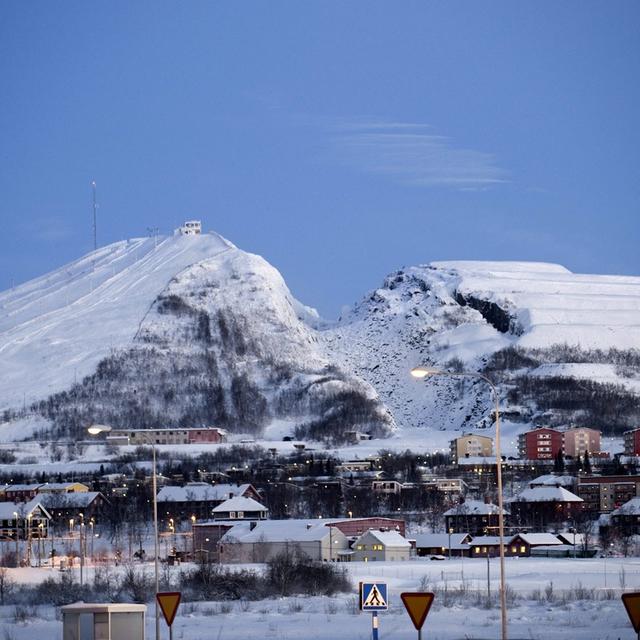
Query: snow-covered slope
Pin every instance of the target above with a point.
(459, 314)
(55, 329)
(189, 332)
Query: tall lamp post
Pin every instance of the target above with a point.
(96, 429)
(423, 372)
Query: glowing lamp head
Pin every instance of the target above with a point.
(96, 429)
(423, 372)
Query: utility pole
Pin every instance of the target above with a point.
(154, 232)
(95, 206)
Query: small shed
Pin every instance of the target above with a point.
(104, 621)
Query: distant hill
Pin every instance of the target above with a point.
(195, 331)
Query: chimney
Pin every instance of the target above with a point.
(252, 525)
(487, 500)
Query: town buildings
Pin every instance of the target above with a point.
(471, 446)
(204, 435)
(632, 442)
(540, 444)
(580, 440)
(473, 517)
(603, 494)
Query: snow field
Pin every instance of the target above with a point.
(576, 606)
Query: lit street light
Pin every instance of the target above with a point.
(423, 372)
(97, 429)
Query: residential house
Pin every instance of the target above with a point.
(474, 517)
(488, 546)
(199, 499)
(383, 546)
(263, 541)
(63, 487)
(444, 544)
(544, 505)
(21, 492)
(626, 518)
(240, 508)
(522, 543)
(24, 520)
(91, 505)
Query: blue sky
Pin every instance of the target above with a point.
(340, 140)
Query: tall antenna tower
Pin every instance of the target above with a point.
(95, 206)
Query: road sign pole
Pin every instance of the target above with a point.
(374, 625)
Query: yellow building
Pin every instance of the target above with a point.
(471, 446)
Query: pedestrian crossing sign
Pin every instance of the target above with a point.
(373, 596)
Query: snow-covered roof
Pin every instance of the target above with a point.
(201, 492)
(23, 487)
(553, 480)
(7, 509)
(277, 531)
(630, 508)
(59, 486)
(568, 537)
(538, 539)
(69, 500)
(239, 503)
(487, 541)
(442, 540)
(473, 508)
(388, 538)
(546, 494)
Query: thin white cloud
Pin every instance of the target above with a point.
(412, 154)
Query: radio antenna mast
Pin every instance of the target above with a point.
(95, 206)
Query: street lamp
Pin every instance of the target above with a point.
(15, 513)
(95, 430)
(423, 372)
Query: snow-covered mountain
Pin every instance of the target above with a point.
(191, 330)
(562, 347)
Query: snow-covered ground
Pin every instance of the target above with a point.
(555, 599)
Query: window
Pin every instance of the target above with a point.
(377, 547)
(523, 549)
(232, 514)
(240, 514)
(361, 547)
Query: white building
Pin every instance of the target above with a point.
(190, 228)
(262, 541)
(375, 545)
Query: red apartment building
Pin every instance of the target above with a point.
(540, 444)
